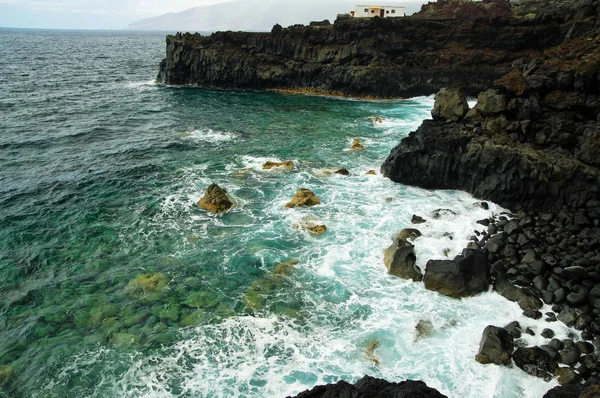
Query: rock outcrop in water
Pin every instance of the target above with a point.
(215, 200)
(370, 387)
(445, 44)
(304, 197)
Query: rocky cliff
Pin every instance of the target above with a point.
(533, 139)
(396, 57)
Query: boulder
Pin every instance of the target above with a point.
(567, 376)
(371, 173)
(400, 260)
(215, 200)
(423, 329)
(512, 293)
(316, 229)
(443, 213)
(491, 102)
(417, 220)
(566, 391)
(373, 388)
(311, 225)
(343, 172)
(304, 197)
(465, 275)
(288, 165)
(450, 104)
(536, 362)
(356, 145)
(496, 346)
(408, 233)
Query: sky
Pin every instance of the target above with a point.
(95, 14)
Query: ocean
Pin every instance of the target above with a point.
(100, 173)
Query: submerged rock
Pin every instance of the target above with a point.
(370, 352)
(304, 197)
(202, 300)
(311, 225)
(496, 346)
(288, 165)
(370, 387)
(6, 372)
(423, 329)
(124, 340)
(343, 172)
(371, 172)
(148, 285)
(356, 145)
(465, 275)
(443, 214)
(400, 260)
(215, 200)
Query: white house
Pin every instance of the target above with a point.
(379, 11)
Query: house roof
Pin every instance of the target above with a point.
(378, 6)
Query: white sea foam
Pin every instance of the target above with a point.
(209, 135)
(141, 85)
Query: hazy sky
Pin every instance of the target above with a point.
(97, 14)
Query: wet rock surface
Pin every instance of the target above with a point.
(303, 198)
(370, 387)
(215, 200)
(465, 275)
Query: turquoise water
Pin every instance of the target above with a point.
(100, 172)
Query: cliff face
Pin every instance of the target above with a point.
(374, 57)
(532, 142)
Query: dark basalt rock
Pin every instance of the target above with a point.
(496, 346)
(535, 361)
(370, 387)
(400, 260)
(378, 57)
(465, 275)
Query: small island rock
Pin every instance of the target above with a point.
(215, 200)
(304, 197)
(288, 165)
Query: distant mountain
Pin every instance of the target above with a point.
(253, 15)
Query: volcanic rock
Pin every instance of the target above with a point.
(288, 165)
(496, 346)
(356, 145)
(450, 104)
(465, 275)
(400, 260)
(535, 361)
(408, 234)
(370, 387)
(215, 200)
(417, 220)
(304, 197)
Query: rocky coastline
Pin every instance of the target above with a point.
(531, 144)
(445, 44)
